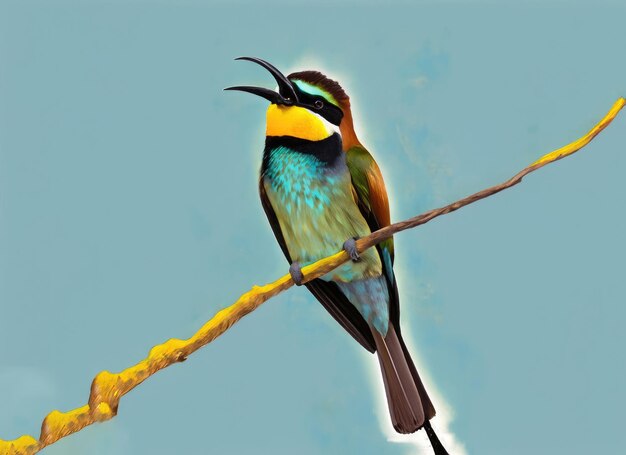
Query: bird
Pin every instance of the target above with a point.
(322, 190)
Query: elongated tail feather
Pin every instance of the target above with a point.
(427, 405)
(438, 447)
(405, 405)
(410, 407)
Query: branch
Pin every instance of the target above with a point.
(107, 388)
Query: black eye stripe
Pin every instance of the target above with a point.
(310, 99)
(327, 109)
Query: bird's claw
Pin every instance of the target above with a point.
(350, 247)
(296, 273)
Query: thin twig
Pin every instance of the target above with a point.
(107, 388)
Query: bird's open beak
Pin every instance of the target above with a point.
(286, 93)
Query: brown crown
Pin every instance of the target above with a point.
(318, 79)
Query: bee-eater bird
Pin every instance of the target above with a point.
(321, 190)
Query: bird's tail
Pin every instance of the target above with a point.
(409, 405)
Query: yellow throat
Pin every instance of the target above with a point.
(295, 121)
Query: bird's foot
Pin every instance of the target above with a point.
(296, 273)
(350, 247)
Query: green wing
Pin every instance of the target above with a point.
(371, 197)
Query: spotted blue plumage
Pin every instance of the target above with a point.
(300, 178)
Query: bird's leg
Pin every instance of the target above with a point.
(350, 247)
(296, 273)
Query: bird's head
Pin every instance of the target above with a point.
(307, 105)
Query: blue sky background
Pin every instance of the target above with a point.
(129, 214)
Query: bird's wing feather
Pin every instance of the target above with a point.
(328, 293)
(373, 203)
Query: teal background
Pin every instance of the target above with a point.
(129, 214)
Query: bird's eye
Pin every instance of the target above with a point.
(318, 104)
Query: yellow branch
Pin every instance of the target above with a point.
(586, 139)
(107, 388)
